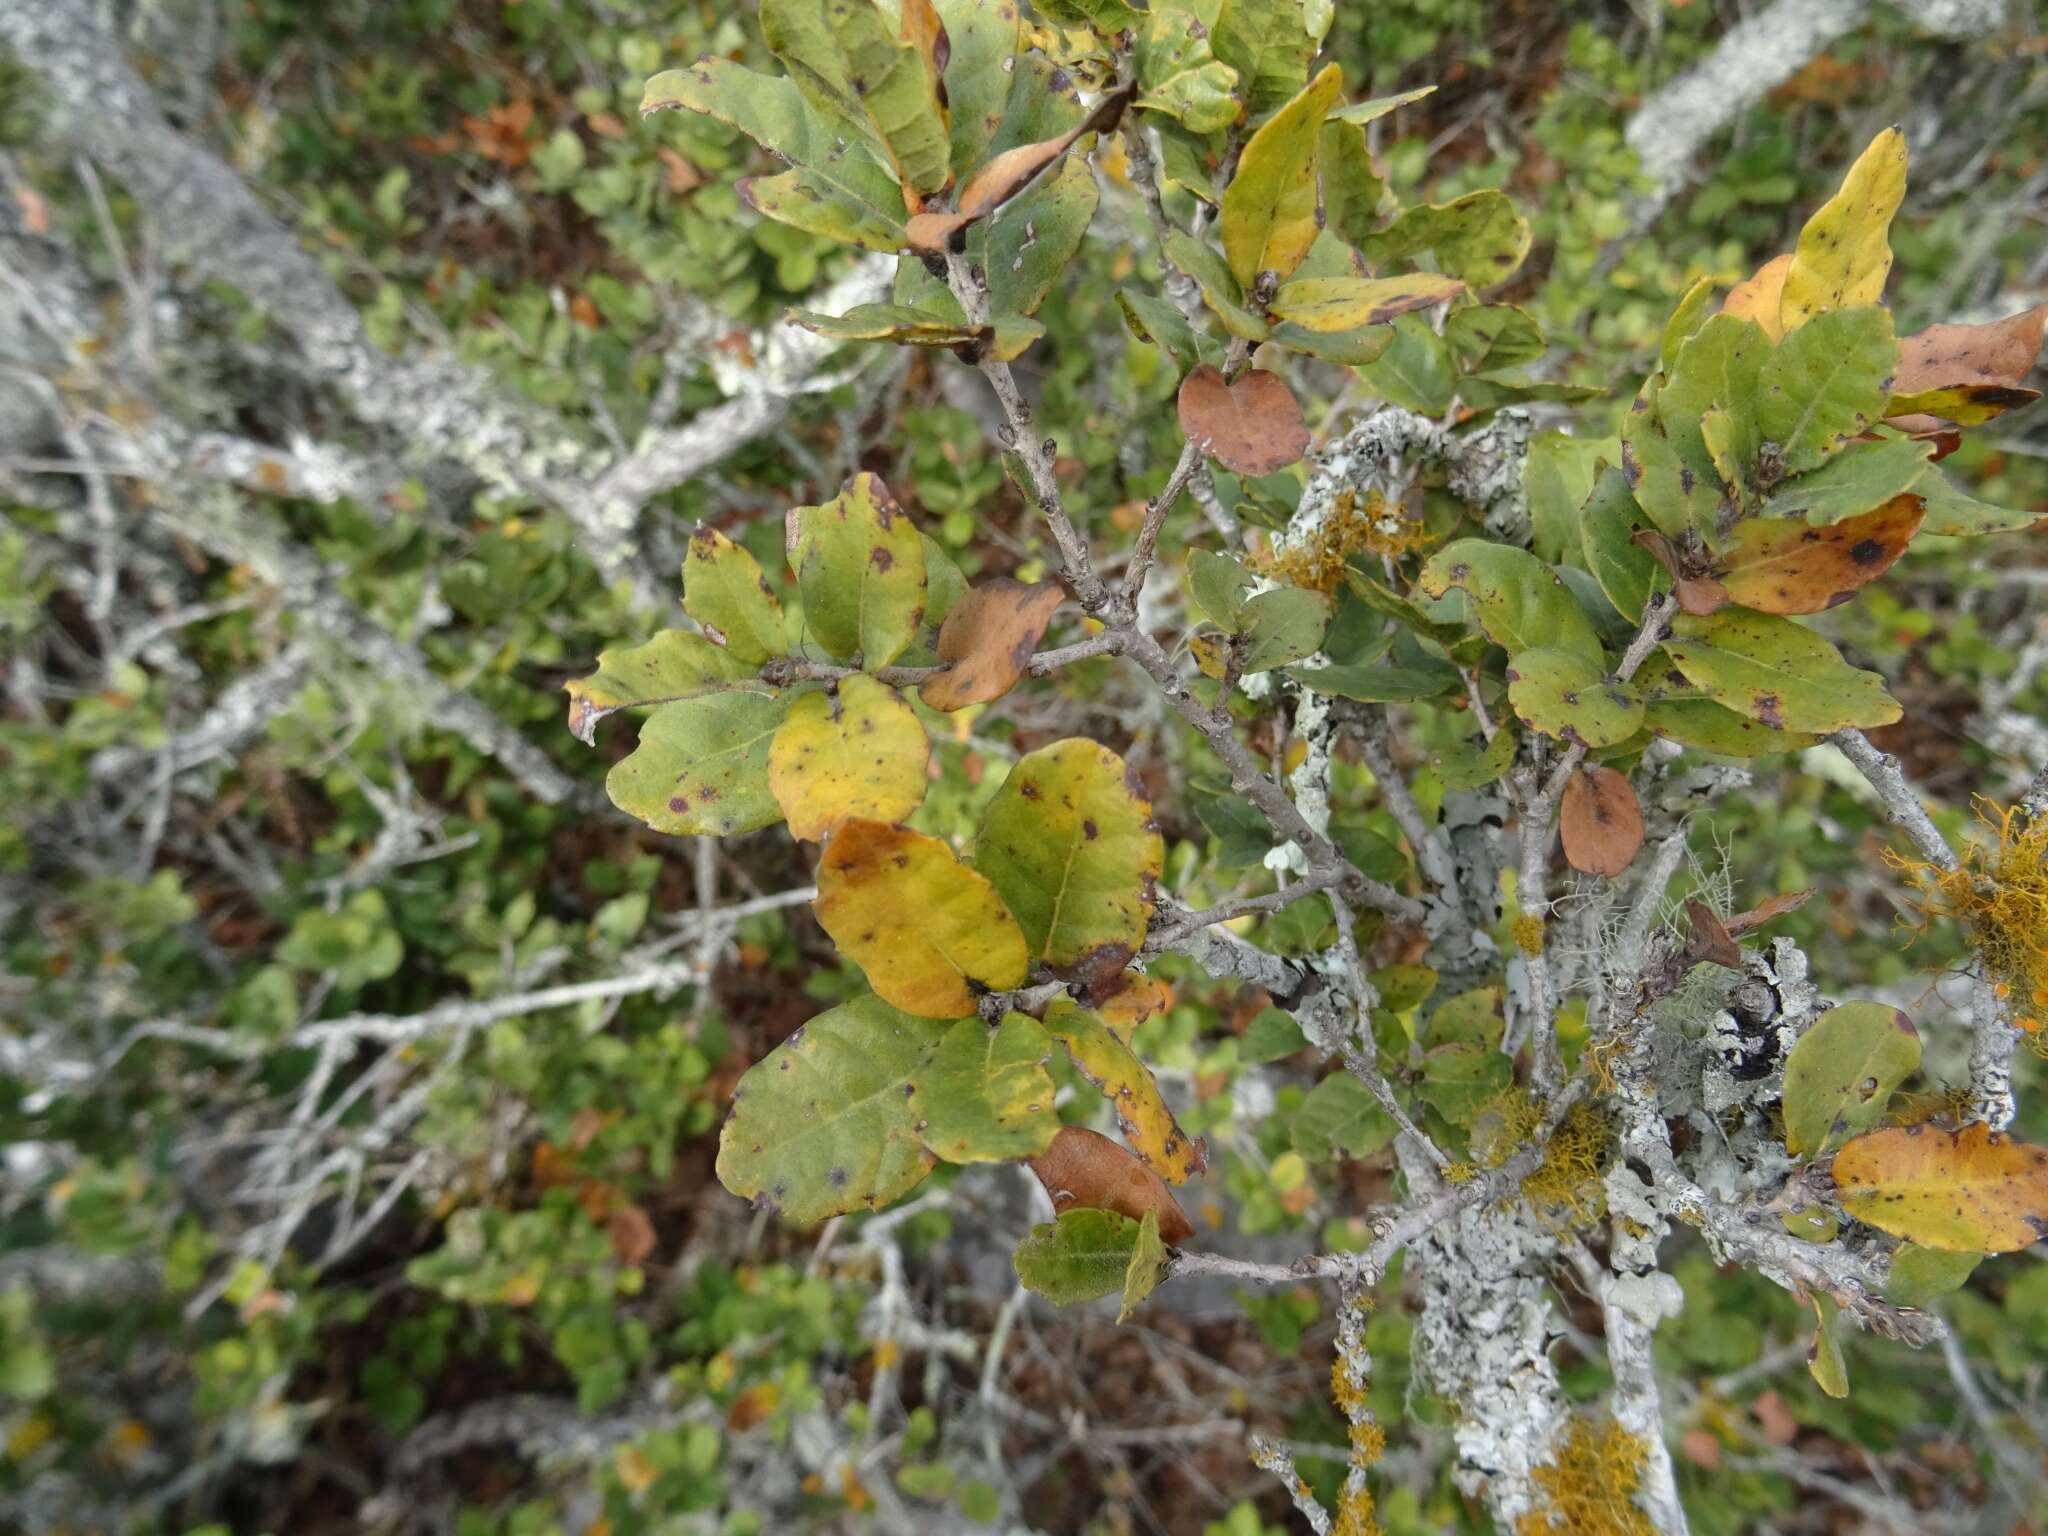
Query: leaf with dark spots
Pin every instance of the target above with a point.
(1781, 565)
(989, 639)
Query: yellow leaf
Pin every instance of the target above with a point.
(1141, 1112)
(1269, 208)
(1844, 253)
(856, 754)
(635, 1469)
(932, 934)
(1758, 298)
(1970, 1191)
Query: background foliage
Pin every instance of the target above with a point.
(559, 1321)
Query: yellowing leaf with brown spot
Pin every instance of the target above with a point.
(932, 935)
(1269, 208)
(1758, 297)
(1970, 1191)
(1141, 1112)
(1780, 565)
(854, 754)
(1844, 252)
(989, 638)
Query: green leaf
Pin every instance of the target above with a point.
(1035, 238)
(1842, 1073)
(1488, 337)
(1956, 514)
(675, 664)
(860, 567)
(1219, 289)
(1280, 626)
(1415, 371)
(1519, 602)
(1473, 762)
(807, 200)
(1677, 708)
(1269, 208)
(1219, 586)
(1379, 684)
(1677, 494)
(847, 61)
(857, 753)
(1826, 384)
(1154, 320)
(1324, 304)
(1352, 189)
(1069, 845)
(1179, 75)
(1920, 1275)
(1718, 368)
(984, 54)
(1146, 1268)
(931, 934)
(1824, 1354)
(1363, 112)
(1108, 17)
(823, 1123)
(983, 1095)
(1626, 571)
(1566, 694)
(770, 110)
(1776, 671)
(1558, 476)
(1460, 1076)
(701, 768)
(1471, 1018)
(725, 591)
(1340, 1117)
(1268, 44)
(1844, 252)
(1270, 1036)
(1862, 477)
(1478, 237)
(1685, 319)
(1083, 1256)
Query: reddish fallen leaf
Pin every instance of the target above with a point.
(1780, 565)
(1084, 1167)
(1600, 822)
(1701, 1447)
(1253, 425)
(989, 638)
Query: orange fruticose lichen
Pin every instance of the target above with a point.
(1354, 525)
(1566, 1186)
(1999, 893)
(1527, 929)
(1589, 1485)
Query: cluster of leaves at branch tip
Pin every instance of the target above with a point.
(1783, 454)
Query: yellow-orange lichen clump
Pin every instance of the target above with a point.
(1589, 1485)
(1355, 525)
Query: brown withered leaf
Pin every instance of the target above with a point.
(1084, 1167)
(1709, 938)
(1764, 911)
(1968, 373)
(1253, 425)
(1781, 565)
(989, 637)
(1008, 174)
(1600, 822)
